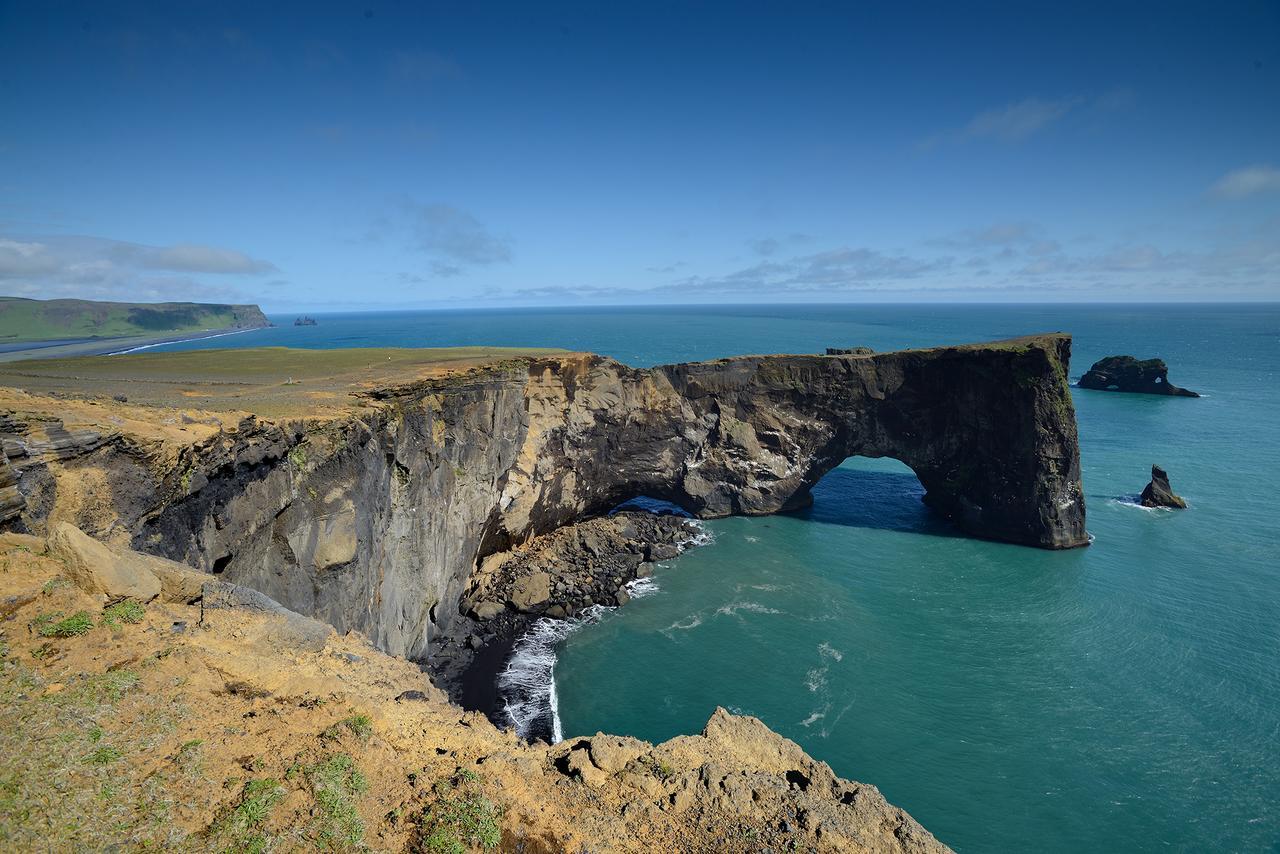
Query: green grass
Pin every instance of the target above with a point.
(359, 725)
(242, 828)
(50, 626)
(44, 320)
(253, 378)
(460, 818)
(126, 611)
(336, 784)
(68, 781)
(104, 755)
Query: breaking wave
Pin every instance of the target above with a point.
(527, 684)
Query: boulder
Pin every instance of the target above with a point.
(95, 568)
(661, 551)
(487, 610)
(1125, 373)
(1158, 493)
(612, 753)
(531, 591)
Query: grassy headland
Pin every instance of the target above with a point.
(23, 320)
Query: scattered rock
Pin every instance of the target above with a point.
(411, 696)
(1158, 493)
(1125, 373)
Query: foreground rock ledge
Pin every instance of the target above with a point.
(192, 727)
(368, 501)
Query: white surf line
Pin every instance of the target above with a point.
(182, 341)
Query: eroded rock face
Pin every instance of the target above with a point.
(1158, 493)
(1125, 373)
(378, 520)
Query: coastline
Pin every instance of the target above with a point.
(72, 347)
(503, 665)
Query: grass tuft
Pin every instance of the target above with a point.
(126, 611)
(359, 725)
(49, 626)
(104, 755)
(243, 826)
(336, 784)
(460, 818)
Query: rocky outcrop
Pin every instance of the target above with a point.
(849, 351)
(556, 575)
(379, 519)
(1125, 373)
(1158, 493)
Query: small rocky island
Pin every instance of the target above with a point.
(1158, 493)
(1125, 373)
(305, 320)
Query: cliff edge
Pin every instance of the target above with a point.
(367, 486)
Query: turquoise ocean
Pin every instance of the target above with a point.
(1121, 697)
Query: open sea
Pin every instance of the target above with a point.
(1121, 697)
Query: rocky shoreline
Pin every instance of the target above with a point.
(557, 576)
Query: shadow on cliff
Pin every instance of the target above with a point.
(885, 500)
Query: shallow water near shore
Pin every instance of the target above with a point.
(1122, 697)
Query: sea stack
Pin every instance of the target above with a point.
(1125, 373)
(1158, 493)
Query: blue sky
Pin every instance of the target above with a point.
(401, 154)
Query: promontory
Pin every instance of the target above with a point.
(363, 489)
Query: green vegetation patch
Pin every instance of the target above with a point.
(57, 626)
(459, 818)
(361, 726)
(336, 784)
(242, 829)
(126, 611)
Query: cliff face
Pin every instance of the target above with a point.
(376, 518)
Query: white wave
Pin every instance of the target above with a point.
(766, 588)
(1135, 502)
(752, 539)
(814, 717)
(826, 650)
(638, 588)
(815, 680)
(750, 607)
(690, 622)
(527, 684)
(177, 341)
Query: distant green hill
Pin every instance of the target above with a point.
(45, 320)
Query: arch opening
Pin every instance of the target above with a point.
(873, 492)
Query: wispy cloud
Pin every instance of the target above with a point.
(77, 265)
(1248, 181)
(455, 235)
(766, 246)
(1017, 121)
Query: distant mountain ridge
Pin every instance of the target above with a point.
(47, 320)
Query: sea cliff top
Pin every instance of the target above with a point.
(267, 381)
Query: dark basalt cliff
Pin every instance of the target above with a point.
(1125, 373)
(377, 520)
